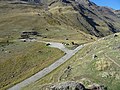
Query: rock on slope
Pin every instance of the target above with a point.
(71, 85)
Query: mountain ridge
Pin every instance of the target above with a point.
(94, 11)
(81, 14)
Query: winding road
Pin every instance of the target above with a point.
(47, 70)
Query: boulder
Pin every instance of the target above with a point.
(68, 86)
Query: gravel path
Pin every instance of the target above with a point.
(45, 71)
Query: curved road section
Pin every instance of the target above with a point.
(45, 71)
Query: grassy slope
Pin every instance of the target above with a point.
(16, 60)
(104, 69)
(17, 18)
(20, 60)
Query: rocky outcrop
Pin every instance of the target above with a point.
(72, 85)
(117, 12)
(68, 86)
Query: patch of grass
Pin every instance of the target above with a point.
(85, 69)
(20, 60)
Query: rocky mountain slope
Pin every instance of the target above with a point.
(93, 19)
(97, 20)
(83, 15)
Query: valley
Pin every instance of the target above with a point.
(46, 43)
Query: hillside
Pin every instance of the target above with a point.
(16, 18)
(20, 60)
(96, 63)
(60, 19)
(86, 15)
(70, 22)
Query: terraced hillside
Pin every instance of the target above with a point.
(97, 62)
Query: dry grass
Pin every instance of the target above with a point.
(21, 60)
(17, 18)
(86, 69)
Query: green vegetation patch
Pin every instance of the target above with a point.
(98, 62)
(20, 60)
